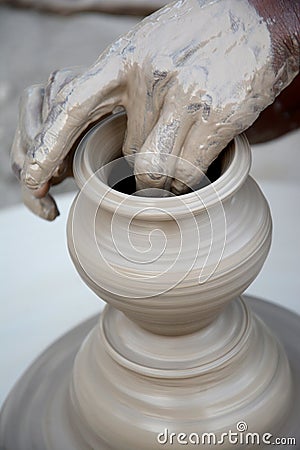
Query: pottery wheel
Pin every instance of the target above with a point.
(36, 415)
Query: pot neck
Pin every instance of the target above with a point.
(97, 152)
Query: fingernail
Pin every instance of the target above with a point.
(179, 188)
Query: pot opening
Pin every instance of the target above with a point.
(121, 178)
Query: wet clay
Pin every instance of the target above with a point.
(170, 252)
(176, 348)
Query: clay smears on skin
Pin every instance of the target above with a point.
(242, 38)
(181, 82)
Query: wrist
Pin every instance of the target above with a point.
(282, 18)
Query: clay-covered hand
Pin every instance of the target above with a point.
(191, 76)
(35, 105)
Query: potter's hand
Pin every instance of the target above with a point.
(191, 77)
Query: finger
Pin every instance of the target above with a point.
(82, 101)
(139, 125)
(145, 98)
(155, 163)
(44, 207)
(30, 113)
(195, 158)
(30, 122)
(17, 161)
(57, 80)
(30, 116)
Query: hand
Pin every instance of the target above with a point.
(191, 77)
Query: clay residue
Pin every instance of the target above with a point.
(187, 93)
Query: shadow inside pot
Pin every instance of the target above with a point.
(122, 178)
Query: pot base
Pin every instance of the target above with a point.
(37, 414)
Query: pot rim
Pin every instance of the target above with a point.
(159, 208)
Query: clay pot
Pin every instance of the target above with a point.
(170, 353)
(170, 264)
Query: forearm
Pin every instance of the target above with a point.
(283, 21)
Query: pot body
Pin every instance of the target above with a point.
(170, 264)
